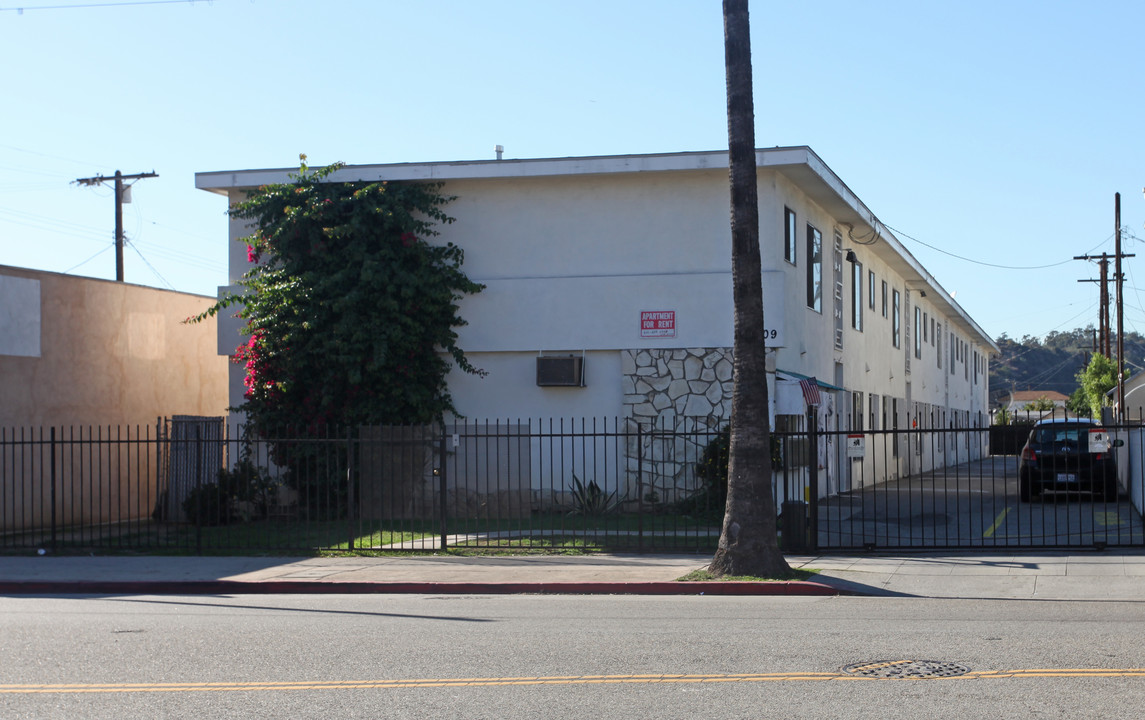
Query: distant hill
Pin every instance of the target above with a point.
(1052, 363)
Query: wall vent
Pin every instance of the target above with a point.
(560, 371)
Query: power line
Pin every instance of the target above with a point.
(20, 10)
(981, 262)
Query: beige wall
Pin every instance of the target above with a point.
(107, 353)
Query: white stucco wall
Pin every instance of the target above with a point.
(572, 250)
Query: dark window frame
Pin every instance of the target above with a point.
(790, 235)
(896, 318)
(814, 269)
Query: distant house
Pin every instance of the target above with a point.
(1019, 400)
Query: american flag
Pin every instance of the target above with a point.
(810, 389)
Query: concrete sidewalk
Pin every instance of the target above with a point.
(1109, 575)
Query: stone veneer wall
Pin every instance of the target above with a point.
(687, 393)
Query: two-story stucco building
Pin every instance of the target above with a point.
(618, 270)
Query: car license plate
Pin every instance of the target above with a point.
(1066, 477)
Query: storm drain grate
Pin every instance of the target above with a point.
(906, 669)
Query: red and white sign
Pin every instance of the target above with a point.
(657, 323)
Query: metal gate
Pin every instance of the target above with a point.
(941, 488)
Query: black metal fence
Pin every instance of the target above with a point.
(943, 489)
(196, 485)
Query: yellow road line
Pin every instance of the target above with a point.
(271, 686)
(997, 523)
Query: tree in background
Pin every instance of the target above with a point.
(748, 543)
(1097, 379)
(1042, 404)
(350, 313)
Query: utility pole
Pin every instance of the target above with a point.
(1103, 332)
(1120, 312)
(117, 179)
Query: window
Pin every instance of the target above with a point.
(857, 296)
(917, 333)
(952, 353)
(936, 335)
(896, 321)
(857, 411)
(934, 338)
(790, 235)
(814, 269)
(871, 290)
(874, 411)
(925, 322)
(884, 298)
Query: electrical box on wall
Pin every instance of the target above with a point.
(560, 371)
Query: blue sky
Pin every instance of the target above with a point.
(997, 131)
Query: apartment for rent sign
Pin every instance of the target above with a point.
(657, 323)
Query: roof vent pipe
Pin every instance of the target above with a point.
(499, 149)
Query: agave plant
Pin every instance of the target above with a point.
(591, 500)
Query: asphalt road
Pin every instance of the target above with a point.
(337, 656)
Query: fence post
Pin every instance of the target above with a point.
(52, 489)
(350, 538)
(813, 482)
(197, 468)
(639, 486)
(441, 489)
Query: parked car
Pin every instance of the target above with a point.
(1068, 456)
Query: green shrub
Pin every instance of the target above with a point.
(208, 505)
(711, 497)
(215, 504)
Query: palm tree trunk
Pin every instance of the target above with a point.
(748, 543)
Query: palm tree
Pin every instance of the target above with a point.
(748, 544)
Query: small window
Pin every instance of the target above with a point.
(925, 322)
(871, 289)
(917, 331)
(790, 235)
(857, 296)
(815, 269)
(896, 321)
(884, 298)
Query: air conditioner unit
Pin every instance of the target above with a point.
(558, 371)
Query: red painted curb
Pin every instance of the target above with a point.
(309, 587)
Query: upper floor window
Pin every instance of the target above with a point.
(790, 235)
(917, 331)
(871, 289)
(896, 321)
(884, 298)
(857, 295)
(814, 269)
